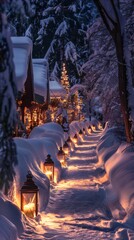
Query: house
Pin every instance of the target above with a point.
(41, 90)
(32, 83)
(22, 58)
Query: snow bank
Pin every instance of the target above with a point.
(118, 159)
(28, 159)
(75, 126)
(52, 130)
(10, 220)
(108, 144)
(31, 154)
(8, 230)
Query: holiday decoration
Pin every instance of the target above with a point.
(64, 78)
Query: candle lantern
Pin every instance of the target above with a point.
(89, 129)
(75, 139)
(61, 156)
(69, 141)
(49, 167)
(94, 128)
(80, 133)
(66, 148)
(84, 131)
(29, 197)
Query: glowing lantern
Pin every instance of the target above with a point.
(29, 197)
(75, 139)
(61, 156)
(84, 131)
(69, 141)
(80, 133)
(66, 148)
(89, 129)
(94, 128)
(49, 167)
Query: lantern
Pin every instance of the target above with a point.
(80, 133)
(89, 129)
(61, 157)
(66, 148)
(29, 197)
(69, 141)
(75, 139)
(94, 128)
(84, 131)
(49, 167)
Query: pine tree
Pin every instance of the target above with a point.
(70, 21)
(17, 14)
(58, 30)
(8, 92)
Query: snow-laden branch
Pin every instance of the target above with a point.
(70, 52)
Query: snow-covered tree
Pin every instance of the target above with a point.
(7, 105)
(115, 23)
(35, 30)
(17, 14)
(101, 70)
(59, 29)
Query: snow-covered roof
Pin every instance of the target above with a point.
(56, 89)
(40, 70)
(22, 50)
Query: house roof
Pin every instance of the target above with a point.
(40, 70)
(22, 51)
(56, 89)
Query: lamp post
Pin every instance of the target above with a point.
(49, 167)
(29, 197)
(61, 157)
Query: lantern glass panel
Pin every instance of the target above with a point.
(49, 171)
(29, 204)
(61, 157)
(75, 139)
(66, 150)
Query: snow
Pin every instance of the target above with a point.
(86, 202)
(77, 87)
(7, 230)
(117, 157)
(40, 71)
(22, 50)
(56, 89)
(70, 52)
(10, 219)
(62, 29)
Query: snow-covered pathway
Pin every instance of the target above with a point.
(77, 208)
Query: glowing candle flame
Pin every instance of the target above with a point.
(29, 209)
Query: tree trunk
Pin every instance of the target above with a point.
(122, 78)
